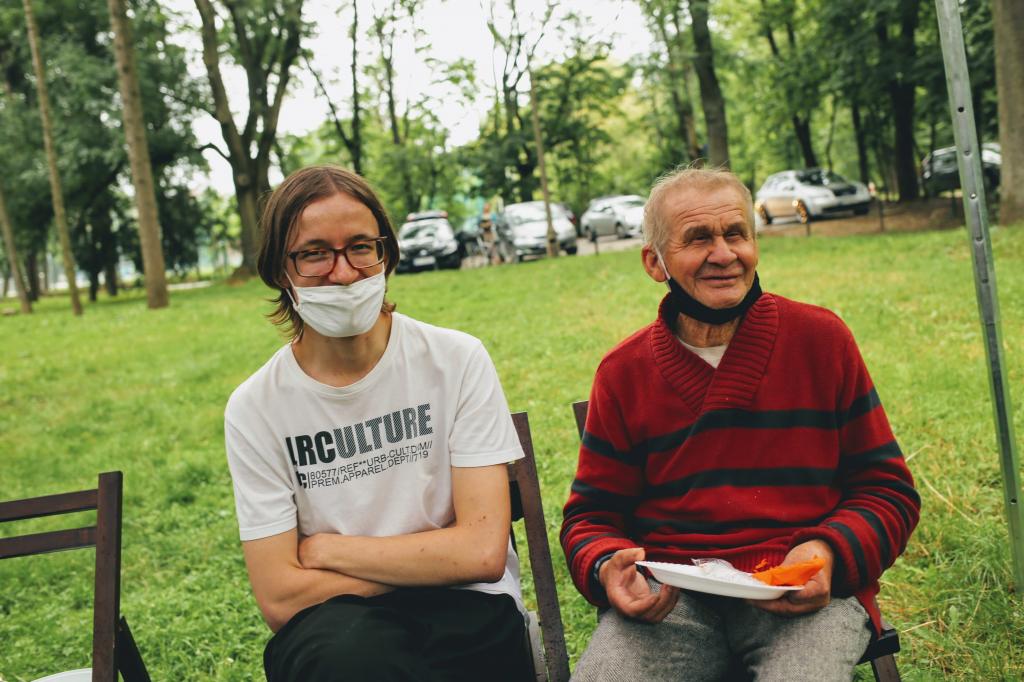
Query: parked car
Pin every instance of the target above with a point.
(809, 193)
(939, 171)
(528, 224)
(621, 215)
(427, 242)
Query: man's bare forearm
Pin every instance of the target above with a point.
(446, 556)
(300, 588)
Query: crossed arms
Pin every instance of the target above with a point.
(289, 573)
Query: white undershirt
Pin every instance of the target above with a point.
(711, 354)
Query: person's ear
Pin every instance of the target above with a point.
(652, 265)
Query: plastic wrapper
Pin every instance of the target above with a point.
(723, 570)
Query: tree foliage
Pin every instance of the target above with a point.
(91, 147)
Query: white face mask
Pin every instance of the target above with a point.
(338, 310)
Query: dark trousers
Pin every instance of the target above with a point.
(409, 634)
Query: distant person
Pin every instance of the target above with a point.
(489, 235)
(369, 458)
(742, 426)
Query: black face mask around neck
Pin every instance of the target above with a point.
(683, 303)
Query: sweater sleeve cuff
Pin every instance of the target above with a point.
(845, 577)
(596, 588)
(585, 565)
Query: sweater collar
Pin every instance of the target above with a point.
(735, 382)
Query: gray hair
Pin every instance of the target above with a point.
(656, 229)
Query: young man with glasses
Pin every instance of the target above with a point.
(369, 457)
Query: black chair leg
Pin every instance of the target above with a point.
(129, 660)
(885, 670)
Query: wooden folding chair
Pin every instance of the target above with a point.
(551, 662)
(113, 647)
(881, 649)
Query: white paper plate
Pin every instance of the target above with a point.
(694, 578)
(80, 675)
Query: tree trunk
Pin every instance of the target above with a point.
(538, 140)
(251, 171)
(110, 279)
(56, 191)
(862, 148)
(802, 128)
(902, 95)
(901, 88)
(397, 138)
(687, 119)
(357, 131)
(138, 155)
(12, 257)
(711, 98)
(32, 275)
(677, 82)
(248, 211)
(831, 134)
(1008, 21)
(94, 286)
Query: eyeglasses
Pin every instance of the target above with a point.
(361, 254)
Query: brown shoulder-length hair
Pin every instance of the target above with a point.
(282, 211)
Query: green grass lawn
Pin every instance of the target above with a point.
(143, 391)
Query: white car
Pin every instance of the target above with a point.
(528, 223)
(808, 194)
(622, 216)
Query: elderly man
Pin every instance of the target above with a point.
(742, 426)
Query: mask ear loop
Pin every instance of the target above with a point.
(293, 299)
(661, 262)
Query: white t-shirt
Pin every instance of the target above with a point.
(373, 458)
(709, 354)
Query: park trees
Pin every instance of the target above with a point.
(896, 24)
(711, 98)
(92, 161)
(264, 38)
(352, 138)
(507, 150)
(576, 94)
(798, 71)
(56, 189)
(12, 256)
(1008, 20)
(138, 155)
(670, 70)
(394, 21)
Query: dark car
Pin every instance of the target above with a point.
(939, 172)
(428, 243)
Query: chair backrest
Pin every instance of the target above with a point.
(526, 504)
(113, 647)
(579, 411)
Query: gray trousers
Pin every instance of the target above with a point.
(716, 638)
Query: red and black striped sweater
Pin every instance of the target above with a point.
(785, 442)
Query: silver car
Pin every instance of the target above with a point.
(622, 216)
(528, 223)
(808, 194)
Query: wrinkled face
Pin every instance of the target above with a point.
(711, 250)
(336, 222)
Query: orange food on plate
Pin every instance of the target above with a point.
(793, 574)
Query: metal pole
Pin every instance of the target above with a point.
(968, 153)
